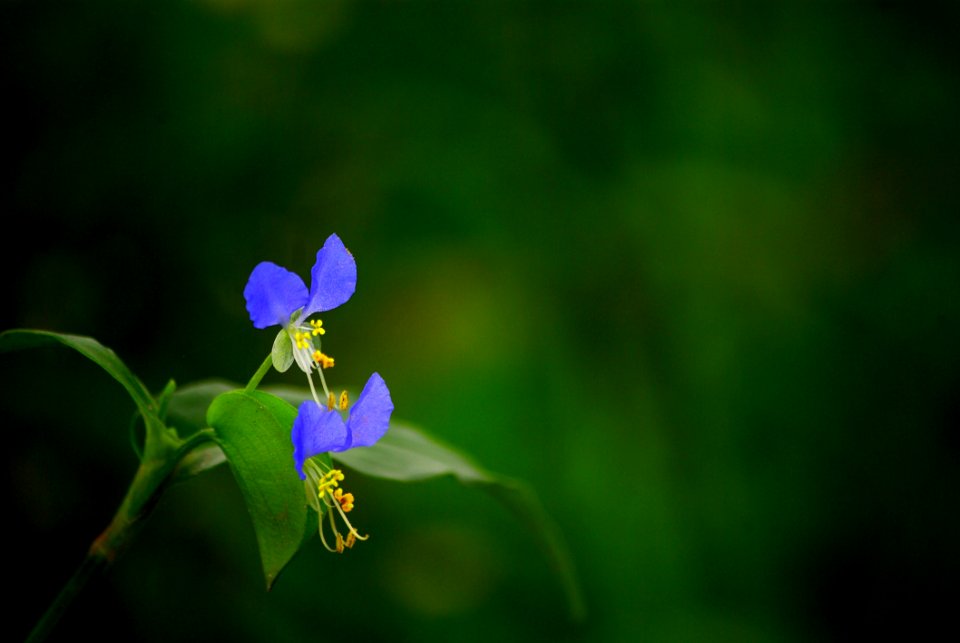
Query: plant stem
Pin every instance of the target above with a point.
(161, 456)
(91, 567)
(263, 370)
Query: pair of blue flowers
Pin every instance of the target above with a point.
(277, 297)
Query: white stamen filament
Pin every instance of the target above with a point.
(313, 390)
(323, 382)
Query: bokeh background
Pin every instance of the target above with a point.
(691, 271)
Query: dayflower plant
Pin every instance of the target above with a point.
(277, 297)
(196, 427)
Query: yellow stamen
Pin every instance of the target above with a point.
(302, 340)
(331, 402)
(328, 482)
(344, 401)
(325, 361)
(345, 500)
(334, 498)
(317, 327)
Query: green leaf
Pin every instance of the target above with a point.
(93, 350)
(163, 398)
(253, 429)
(200, 459)
(407, 454)
(187, 408)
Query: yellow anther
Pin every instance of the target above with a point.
(325, 361)
(302, 340)
(351, 539)
(340, 543)
(317, 327)
(330, 480)
(331, 402)
(345, 500)
(323, 489)
(344, 401)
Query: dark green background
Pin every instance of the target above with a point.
(692, 272)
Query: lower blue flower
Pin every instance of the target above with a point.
(321, 430)
(318, 430)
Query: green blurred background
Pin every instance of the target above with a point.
(691, 271)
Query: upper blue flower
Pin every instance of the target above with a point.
(319, 430)
(274, 294)
(277, 297)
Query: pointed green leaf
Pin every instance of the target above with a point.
(253, 429)
(92, 350)
(408, 454)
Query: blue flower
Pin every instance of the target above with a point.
(277, 297)
(319, 430)
(274, 293)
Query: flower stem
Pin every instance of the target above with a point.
(161, 456)
(263, 370)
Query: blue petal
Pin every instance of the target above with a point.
(316, 431)
(334, 277)
(370, 416)
(273, 294)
